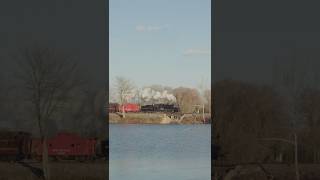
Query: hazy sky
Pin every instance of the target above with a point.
(61, 24)
(163, 42)
(250, 35)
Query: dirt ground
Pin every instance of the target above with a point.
(58, 171)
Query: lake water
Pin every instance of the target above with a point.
(160, 152)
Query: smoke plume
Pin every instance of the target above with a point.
(151, 95)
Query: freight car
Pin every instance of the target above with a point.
(129, 107)
(66, 146)
(103, 149)
(15, 146)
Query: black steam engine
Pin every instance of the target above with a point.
(160, 108)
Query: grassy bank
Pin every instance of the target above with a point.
(156, 118)
(58, 171)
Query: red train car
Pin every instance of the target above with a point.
(14, 145)
(67, 146)
(130, 107)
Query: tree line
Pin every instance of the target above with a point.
(124, 91)
(249, 119)
(277, 122)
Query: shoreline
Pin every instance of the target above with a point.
(158, 118)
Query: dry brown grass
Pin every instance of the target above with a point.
(136, 118)
(150, 118)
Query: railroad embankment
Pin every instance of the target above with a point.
(158, 118)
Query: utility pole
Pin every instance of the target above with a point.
(204, 120)
(202, 88)
(199, 109)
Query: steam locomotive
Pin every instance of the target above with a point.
(160, 108)
(131, 107)
(17, 145)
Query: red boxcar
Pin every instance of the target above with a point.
(66, 145)
(130, 107)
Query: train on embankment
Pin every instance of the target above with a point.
(132, 107)
(18, 145)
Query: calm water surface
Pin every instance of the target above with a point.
(160, 152)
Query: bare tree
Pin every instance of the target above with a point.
(207, 96)
(124, 88)
(86, 113)
(203, 96)
(291, 78)
(244, 113)
(112, 94)
(186, 98)
(48, 77)
(310, 107)
(138, 96)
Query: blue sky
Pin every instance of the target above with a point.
(164, 42)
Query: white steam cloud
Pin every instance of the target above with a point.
(149, 94)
